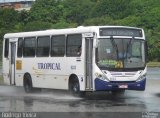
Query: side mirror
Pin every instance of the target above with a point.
(146, 51)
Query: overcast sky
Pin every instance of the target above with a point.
(2, 1)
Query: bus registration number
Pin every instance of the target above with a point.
(123, 86)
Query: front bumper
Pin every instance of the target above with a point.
(101, 85)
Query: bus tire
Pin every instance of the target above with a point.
(27, 83)
(74, 88)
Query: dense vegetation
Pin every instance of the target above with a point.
(47, 14)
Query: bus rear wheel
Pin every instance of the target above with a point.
(27, 83)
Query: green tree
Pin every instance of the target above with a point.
(8, 20)
(100, 21)
(9, 17)
(64, 24)
(23, 17)
(37, 25)
(47, 11)
(116, 9)
(76, 11)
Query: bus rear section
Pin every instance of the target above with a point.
(8, 61)
(58, 59)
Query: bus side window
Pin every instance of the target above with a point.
(29, 47)
(20, 47)
(74, 44)
(6, 48)
(58, 46)
(43, 46)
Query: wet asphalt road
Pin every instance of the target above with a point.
(16, 100)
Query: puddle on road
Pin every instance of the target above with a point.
(13, 91)
(14, 98)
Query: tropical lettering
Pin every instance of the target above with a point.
(51, 66)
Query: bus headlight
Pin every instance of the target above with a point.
(141, 77)
(101, 76)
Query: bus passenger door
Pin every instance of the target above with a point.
(88, 63)
(12, 57)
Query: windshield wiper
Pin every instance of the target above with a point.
(128, 45)
(114, 45)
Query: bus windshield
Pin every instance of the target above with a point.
(119, 53)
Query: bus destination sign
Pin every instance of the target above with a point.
(120, 32)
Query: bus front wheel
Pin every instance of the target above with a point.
(27, 83)
(74, 88)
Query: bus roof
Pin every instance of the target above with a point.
(80, 29)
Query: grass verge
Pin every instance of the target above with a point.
(153, 64)
(1, 80)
